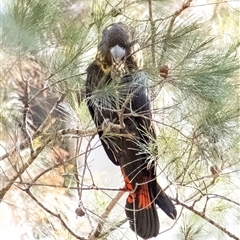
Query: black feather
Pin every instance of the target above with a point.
(121, 99)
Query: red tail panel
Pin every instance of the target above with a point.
(141, 210)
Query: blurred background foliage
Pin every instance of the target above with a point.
(191, 56)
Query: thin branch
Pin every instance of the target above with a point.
(118, 225)
(202, 215)
(175, 222)
(153, 32)
(25, 113)
(79, 132)
(49, 120)
(22, 169)
(33, 182)
(109, 208)
(211, 195)
(88, 188)
(44, 126)
(54, 214)
(85, 167)
(170, 27)
(52, 84)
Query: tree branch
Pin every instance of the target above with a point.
(24, 166)
(58, 216)
(202, 215)
(153, 32)
(170, 27)
(109, 208)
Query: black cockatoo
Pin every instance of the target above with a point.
(118, 101)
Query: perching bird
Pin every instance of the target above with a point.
(118, 101)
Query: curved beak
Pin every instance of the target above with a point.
(117, 53)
